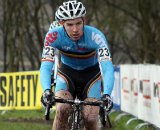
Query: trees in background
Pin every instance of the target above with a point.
(135, 30)
(132, 29)
(23, 28)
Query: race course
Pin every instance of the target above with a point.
(34, 120)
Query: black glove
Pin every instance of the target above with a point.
(47, 97)
(108, 104)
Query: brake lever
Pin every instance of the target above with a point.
(47, 111)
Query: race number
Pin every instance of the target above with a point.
(48, 53)
(104, 54)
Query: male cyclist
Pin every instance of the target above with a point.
(85, 64)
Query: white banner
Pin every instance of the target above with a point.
(144, 97)
(140, 92)
(134, 89)
(125, 88)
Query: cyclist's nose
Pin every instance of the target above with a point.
(75, 28)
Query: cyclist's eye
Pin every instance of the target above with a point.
(69, 25)
(79, 23)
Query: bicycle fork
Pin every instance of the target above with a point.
(76, 116)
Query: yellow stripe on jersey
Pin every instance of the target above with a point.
(80, 56)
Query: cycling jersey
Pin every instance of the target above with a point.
(90, 49)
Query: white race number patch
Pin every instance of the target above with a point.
(104, 54)
(48, 53)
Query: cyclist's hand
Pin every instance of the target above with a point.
(47, 97)
(108, 104)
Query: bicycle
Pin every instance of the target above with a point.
(75, 118)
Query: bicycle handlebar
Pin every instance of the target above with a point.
(69, 101)
(47, 111)
(78, 102)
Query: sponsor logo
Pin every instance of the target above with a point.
(82, 47)
(98, 39)
(50, 38)
(66, 48)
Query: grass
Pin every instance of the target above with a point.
(25, 120)
(34, 120)
(24, 126)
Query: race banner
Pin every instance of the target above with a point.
(140, 92)
(20, 90)
(125, 88)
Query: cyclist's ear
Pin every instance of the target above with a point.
(61, 23)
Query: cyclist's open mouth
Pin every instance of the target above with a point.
(76, 36)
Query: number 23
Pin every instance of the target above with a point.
(49, 51)
(103, 52)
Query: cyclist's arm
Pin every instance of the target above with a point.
(106, 65)
(108, 76)
(47, 63)
(45, 74)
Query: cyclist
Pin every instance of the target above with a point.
(84, 64)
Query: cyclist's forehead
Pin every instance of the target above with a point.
(73, 21)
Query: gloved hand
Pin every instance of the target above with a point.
(108, 104)
(47, 97)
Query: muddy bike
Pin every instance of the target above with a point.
(75, 120)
